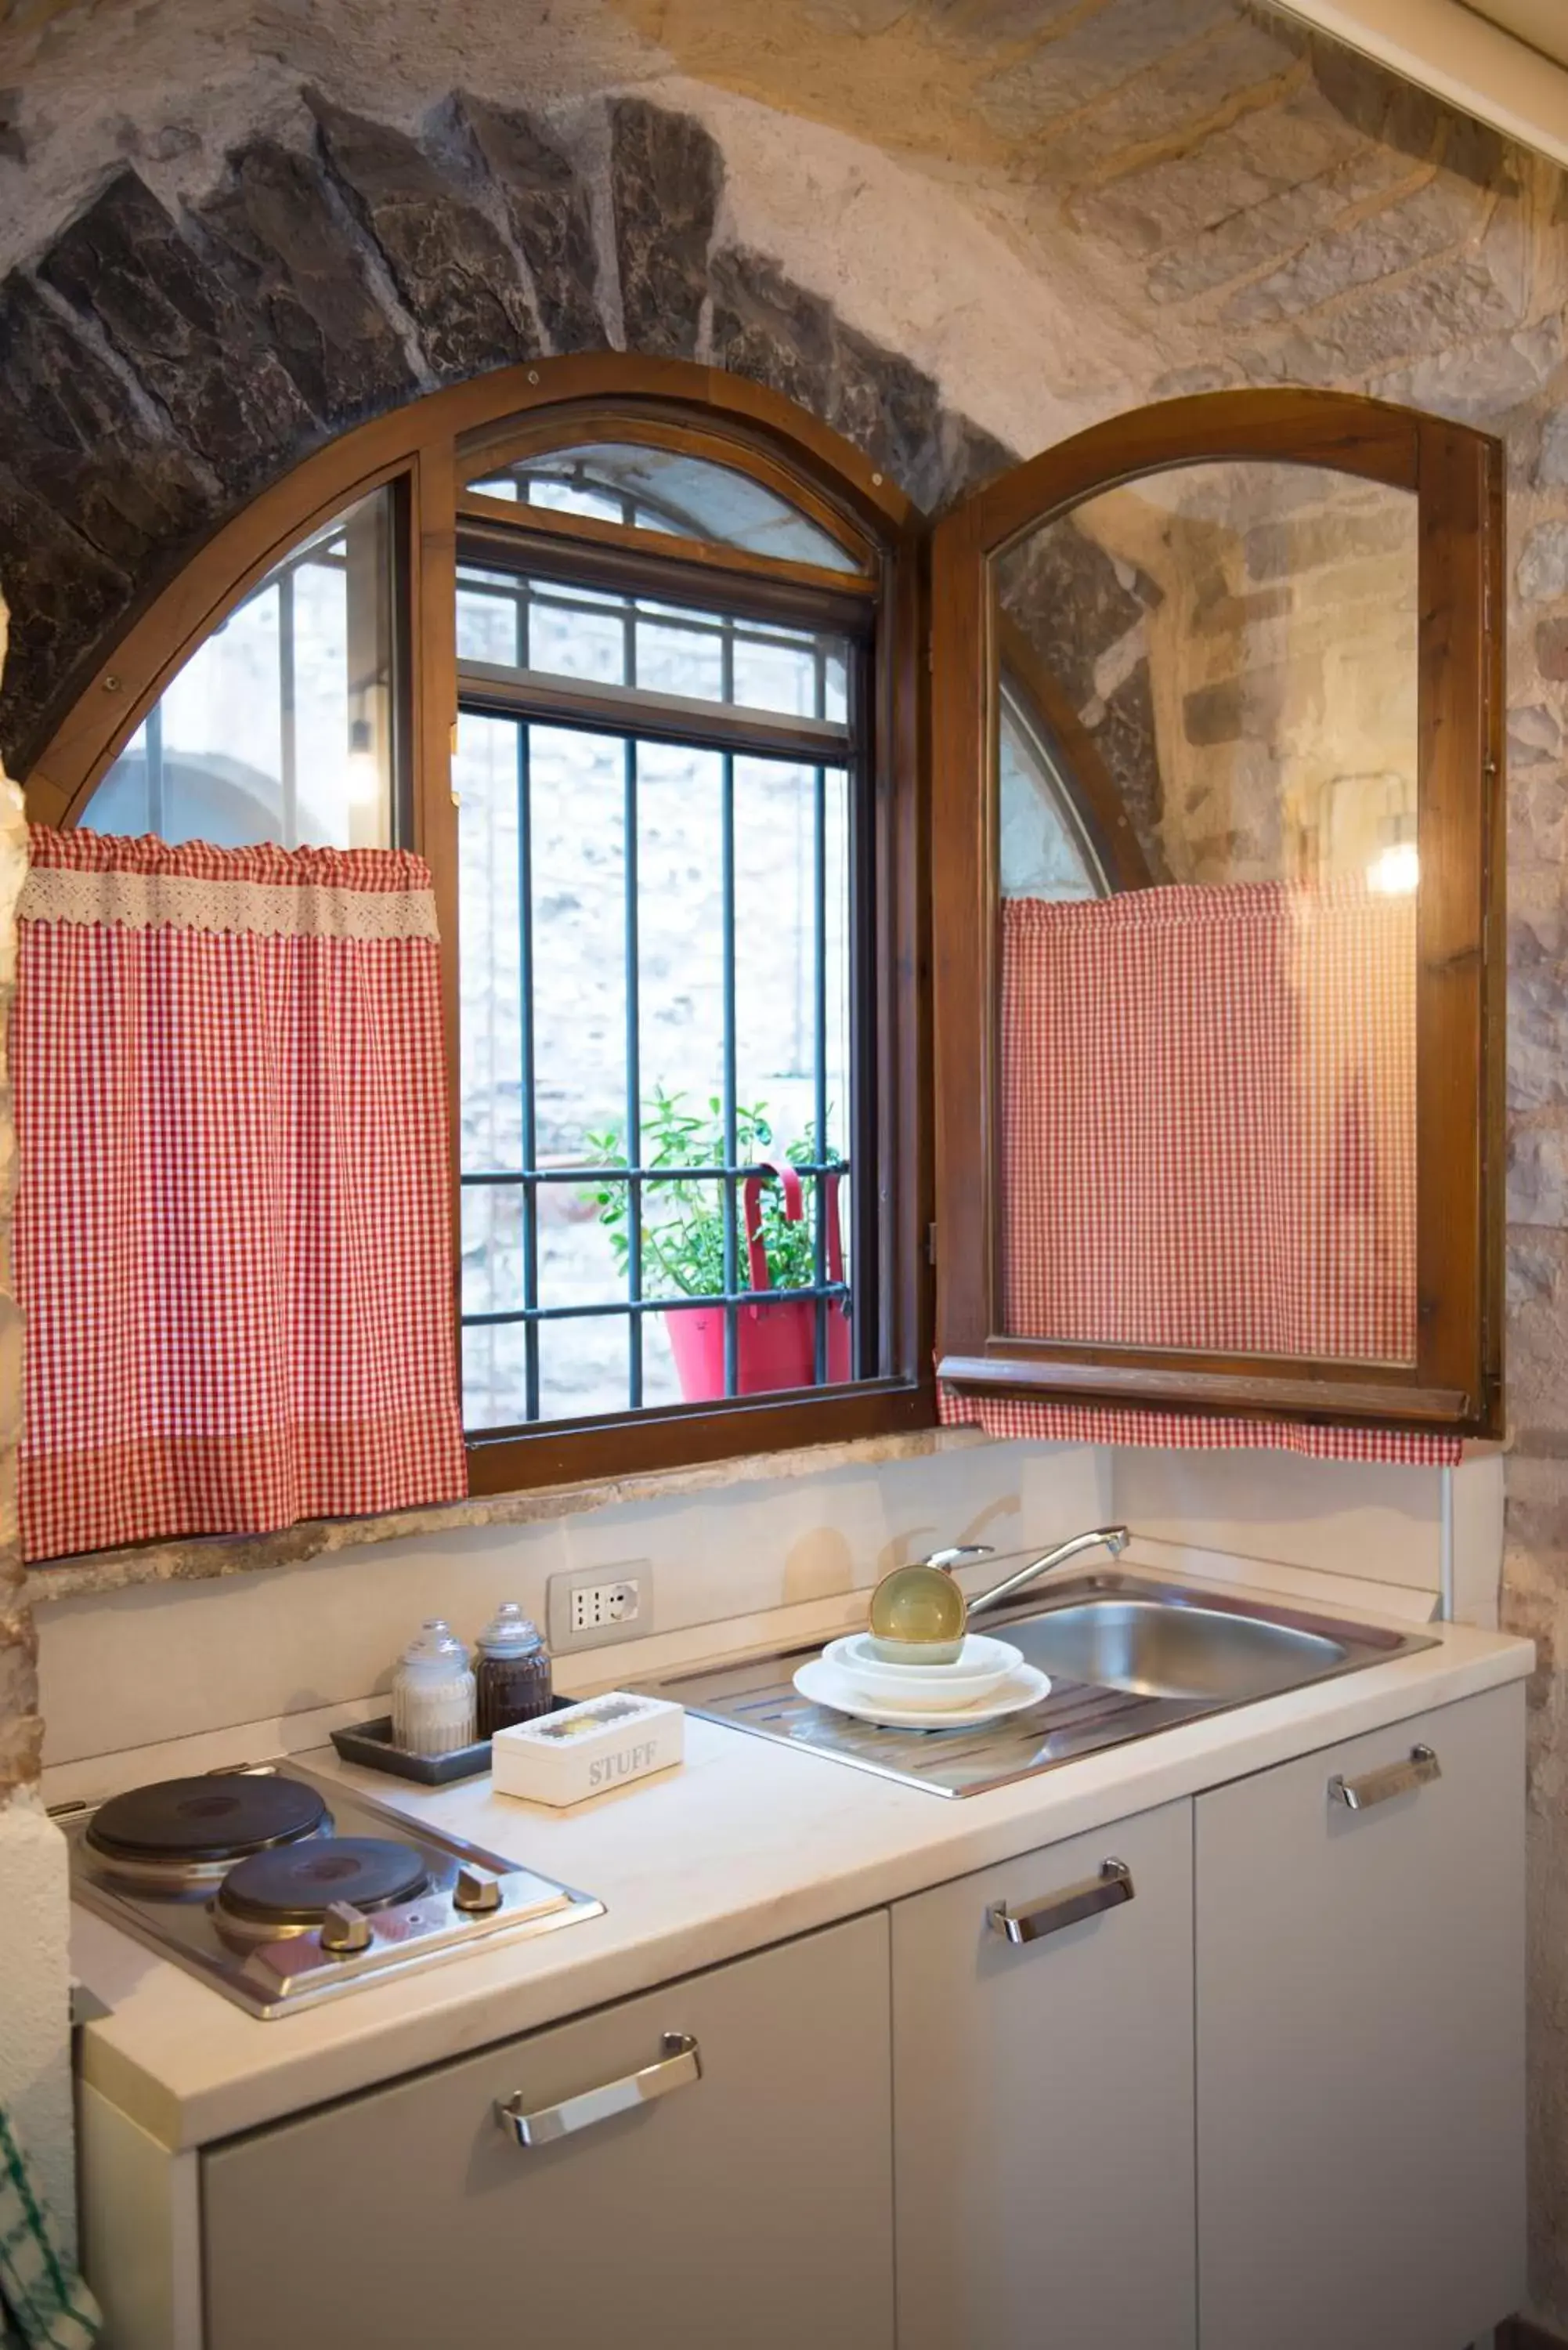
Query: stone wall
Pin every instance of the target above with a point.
(156, 370)
(1021, 212)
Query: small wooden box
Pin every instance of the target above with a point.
(586, 1750)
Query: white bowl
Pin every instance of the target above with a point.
(917, 1653)
(822, 1683)
(978, 1671)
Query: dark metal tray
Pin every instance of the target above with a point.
(370, 1743)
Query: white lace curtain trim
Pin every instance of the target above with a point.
(145, 901)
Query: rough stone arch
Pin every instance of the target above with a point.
(156, 372)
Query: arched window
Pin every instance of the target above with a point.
(612, 647)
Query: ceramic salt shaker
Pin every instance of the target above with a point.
(433, 1694)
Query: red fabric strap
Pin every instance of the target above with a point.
(1011, 1418)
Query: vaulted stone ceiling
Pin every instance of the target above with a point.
(1193, 163)
(1175, 176)
(1053, 208)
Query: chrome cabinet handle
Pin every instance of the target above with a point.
(1394, 1779)
(1113, 1885)
(680, 2064)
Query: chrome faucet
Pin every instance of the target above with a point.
(1112, 1538)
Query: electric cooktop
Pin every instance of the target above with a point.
(279, 1889)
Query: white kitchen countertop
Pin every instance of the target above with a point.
(746, 1842)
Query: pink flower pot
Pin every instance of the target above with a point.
(775, 1346)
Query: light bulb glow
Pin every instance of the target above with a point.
(1394, 871)
(362, 779)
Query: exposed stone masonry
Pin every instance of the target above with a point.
(665, 178)
(549, 214)
(298, 267)
(155, 371)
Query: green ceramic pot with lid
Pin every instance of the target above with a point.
(917, 1617)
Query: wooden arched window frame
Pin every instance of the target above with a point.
(425, 453)
(1457, 477)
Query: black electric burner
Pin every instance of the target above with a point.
(297, 1885)
(279, 1886)
(206, 1819)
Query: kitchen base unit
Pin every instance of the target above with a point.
(1042, 2098)
(701, 2168)
(1360, 2004)
(1240, 2067)
(1312, 1979)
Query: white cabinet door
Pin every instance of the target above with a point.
(1042, 2101)
(751, 2206)
(1361, 2041)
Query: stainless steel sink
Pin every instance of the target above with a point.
(1165, 1647)
(1127, 1657)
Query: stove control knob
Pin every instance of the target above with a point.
(477, 1890)
(345, 1930)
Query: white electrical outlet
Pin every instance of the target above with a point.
(593, 1606)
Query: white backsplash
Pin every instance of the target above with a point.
(174, 1659)
(1381, 1524)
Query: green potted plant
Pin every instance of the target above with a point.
(683, 1245)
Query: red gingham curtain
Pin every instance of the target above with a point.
(1209, 1129)
(1209, 1141)
(1008, 1419)
(232, 1237)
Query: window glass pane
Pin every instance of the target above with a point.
(788, 671)
(490, 620)
(680, 921)
(789, 825)
(687, 660)
(575, 639)
(570, 497)
(576, 795)
(1221, 659)
(511, 622)
(645, 488)
(1043, 850)
(281, 724)
(493, 1376)
(488, 779)
(492, 1236)
(582, 1367)
(685, 921)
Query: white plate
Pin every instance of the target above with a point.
(982, 1668)
(824, 1684)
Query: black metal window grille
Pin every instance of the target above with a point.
(521, 637)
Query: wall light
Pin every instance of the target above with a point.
(1394, 871)
(362, 769)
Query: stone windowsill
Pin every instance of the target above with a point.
(195, 1559)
